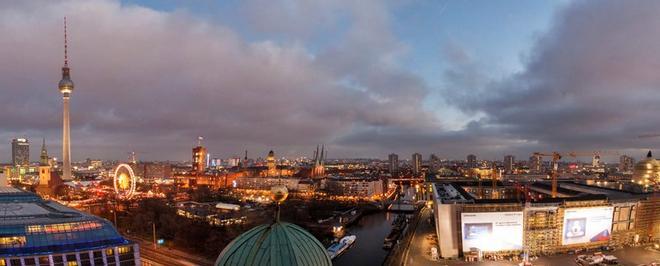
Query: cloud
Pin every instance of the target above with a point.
(591, 82)
(152, 81)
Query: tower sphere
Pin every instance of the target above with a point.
(66, 84)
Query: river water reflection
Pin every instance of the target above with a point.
(370, 230)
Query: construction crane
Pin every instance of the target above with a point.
(648, 136)
(556, 156)
(553, 174)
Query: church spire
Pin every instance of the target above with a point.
(43, 159)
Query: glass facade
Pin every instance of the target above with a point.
(34, 231)
(60, 237)
(127, 255)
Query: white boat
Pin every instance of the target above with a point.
(338, 248)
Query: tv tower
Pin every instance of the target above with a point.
(66, 88)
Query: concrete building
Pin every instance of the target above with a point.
(394, 164)
(265, 183)
(354, 186)
(471, 161)
(509, 163)
(41, 232)
(416, 163)
(153, 170)
(536, 164)
(20, 152)
(584, 216)
(626, 164)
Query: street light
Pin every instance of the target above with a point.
(154, 232)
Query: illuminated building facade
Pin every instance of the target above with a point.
(40, 232)
(318, 169)
(20, 152)
(584, 216)
(354, 186)
(647, 172)
(48, 179)
(271, 164)
(199, 160)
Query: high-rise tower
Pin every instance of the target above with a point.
(20, 152)
(66, 88)
(416, 163)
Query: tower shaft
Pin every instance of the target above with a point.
(66, 140)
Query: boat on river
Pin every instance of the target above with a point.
(341, 246)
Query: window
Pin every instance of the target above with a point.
(125, 249)
(44, 260)
(12, 241)
(71, 257)
(29, 261)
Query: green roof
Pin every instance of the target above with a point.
(275, 244)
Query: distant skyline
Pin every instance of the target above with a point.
(365, 78)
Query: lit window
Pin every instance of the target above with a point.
(12, 241)
(72, 263)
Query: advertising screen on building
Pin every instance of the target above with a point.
(492, 231)
(584, 225)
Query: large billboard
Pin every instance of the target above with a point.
(584, 225)
(492, 231)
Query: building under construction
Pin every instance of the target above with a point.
(504, 220)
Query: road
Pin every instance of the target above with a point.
(167, 256)
(419, 250)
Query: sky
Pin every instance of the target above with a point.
(365, 78)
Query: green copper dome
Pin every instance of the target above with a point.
(276, 244)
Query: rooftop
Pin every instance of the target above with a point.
(32, 225)
(457, 192)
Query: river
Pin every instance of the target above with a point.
(370, 230)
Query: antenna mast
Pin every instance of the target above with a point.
(66, 55)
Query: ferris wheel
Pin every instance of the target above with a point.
(124, 181)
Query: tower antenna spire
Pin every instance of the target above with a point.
(66, 55)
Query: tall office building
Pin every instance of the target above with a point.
(535, 163)
(66, 88)
(20, 152)
(416, 163)
(595, 162)
(472, 160)
(394, 164)
(199, 159)
(509, 161)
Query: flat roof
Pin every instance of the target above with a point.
(454, 192)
